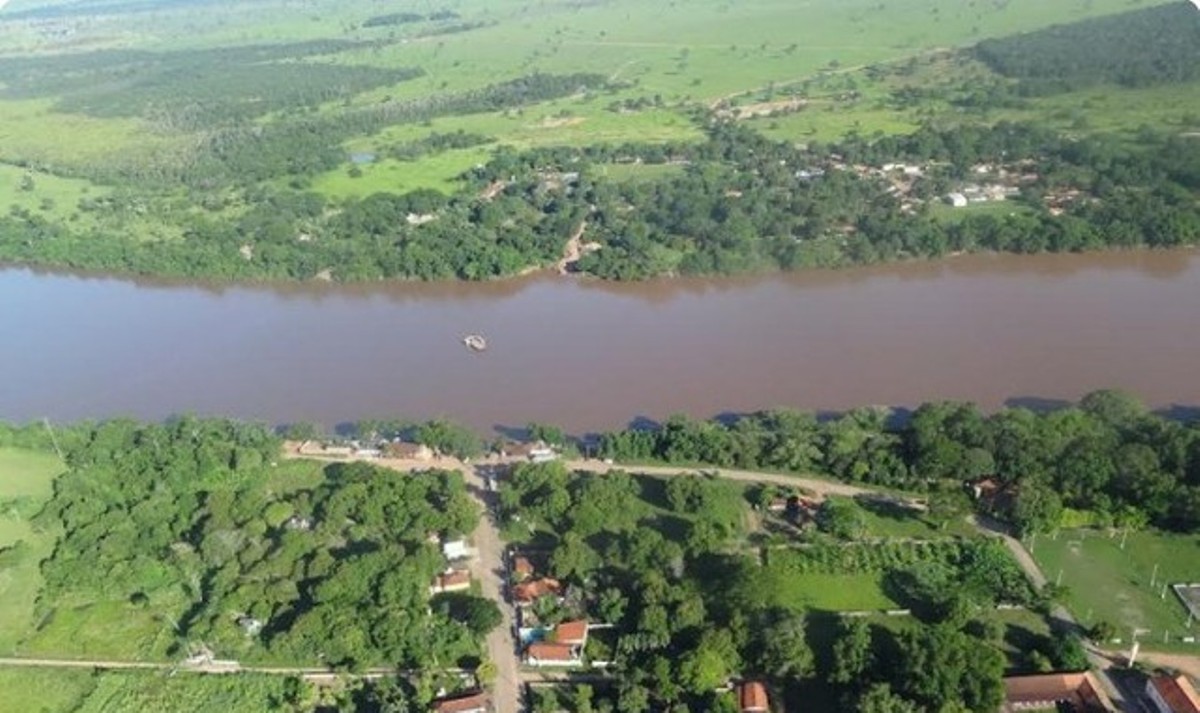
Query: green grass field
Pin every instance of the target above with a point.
(684, 53)
(1113, 584)
(44, 690)
(25, 484)
(34, 690)
(827, 592)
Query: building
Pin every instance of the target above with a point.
(522, 568)
(403, 450)
(957, 200)
(1078, 692)
(456, 550)
(472, 703)
(536, 451)
(572, 633)
(544, 653)
(1173, 694)
(529, 592)
(457, 580)
(752, 697)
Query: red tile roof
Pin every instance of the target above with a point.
(458, 579)
(571, 632)
(1178, 693)
(543, 651)
(529, 591)
(752, 697)
(465, 704)
(522, 566)
(1080, 689)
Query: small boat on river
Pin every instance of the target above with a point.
(475, 342)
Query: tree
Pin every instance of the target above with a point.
(1036, 508)
(841, 517)
(880, 698)
(947, 505)
(783, 650)
(711, 663)
(852, 656)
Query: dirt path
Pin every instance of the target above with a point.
(213, 667)
(574, 250)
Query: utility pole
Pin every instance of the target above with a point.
(53, 438)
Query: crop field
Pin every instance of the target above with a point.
(1108, 583)
(25, 482)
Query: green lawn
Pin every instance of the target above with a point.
(1113, 584)
(827, 592)
(44, 690)
(25, 484)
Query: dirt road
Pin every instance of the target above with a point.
(489, 568)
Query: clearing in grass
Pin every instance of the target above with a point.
(26, 478)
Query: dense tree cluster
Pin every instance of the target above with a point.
(1155, 45)
(196, 89)
(658, 559)
(408, 18)
(1107, 456)
(187, 519)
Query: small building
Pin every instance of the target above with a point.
(471, 703)
(752, 697)
(544, 653)
(455, 580)
(456, 549)
(536, 451)
(522, 568)
(1173, 694)
(957, 200)
(528, 592)
(1078, 692)
(403, 450)
(572, 633)
(250, 625)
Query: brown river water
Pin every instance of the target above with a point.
(588, 355)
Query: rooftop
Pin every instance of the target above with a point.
(752, 697)
(1178, 693)
(1080, 690)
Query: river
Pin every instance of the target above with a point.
(587, 355)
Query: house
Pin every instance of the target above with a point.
(572, 633)
(957, 200)
(752, 697)
(1173, 694)
(992, 494)
(472, 703)
(522, 568)
(536, 451)
(455, 580)
(552, 654)
(407, 451)
(456, 550)
(1079, 692)
(529, 592)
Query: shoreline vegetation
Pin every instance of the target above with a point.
(268, 182)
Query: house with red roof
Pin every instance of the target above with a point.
(1173, 694)
(753, 698)
(471, 703)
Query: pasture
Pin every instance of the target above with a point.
(1108, 583)
(25, 484)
